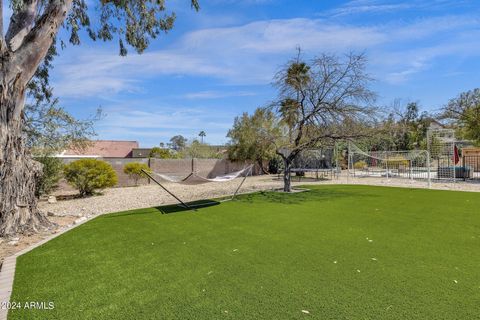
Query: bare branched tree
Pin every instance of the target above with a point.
(321, 101)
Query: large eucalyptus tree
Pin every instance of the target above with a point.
(33, 28)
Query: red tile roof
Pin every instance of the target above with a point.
(105, 148)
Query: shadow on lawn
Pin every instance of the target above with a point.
(194, 205)
(172, 208)
(313, 194)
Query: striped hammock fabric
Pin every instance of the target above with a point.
(193, 178)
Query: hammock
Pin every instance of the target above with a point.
(194, 179)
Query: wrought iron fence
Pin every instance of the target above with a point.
(471, 165)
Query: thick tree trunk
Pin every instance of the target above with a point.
(260, 164)
(18, 172)
(287, 175)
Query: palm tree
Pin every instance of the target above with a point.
(202, 134)
(289, 109)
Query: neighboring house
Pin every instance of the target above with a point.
(102, 149)
(435, 125)
(141, 152)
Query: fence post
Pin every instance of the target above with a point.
(386, 165)
(149, 164)
(348, 161)
(428, 170)
(454, 164)
(411, 169)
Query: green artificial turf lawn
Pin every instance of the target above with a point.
(268, 256)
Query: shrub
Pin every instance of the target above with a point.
(397, 162)
(88, 175)
(275, 165)
(360, 165)
(160, 153)
(134, 171)
(52, 172)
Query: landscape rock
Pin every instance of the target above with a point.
(52, 199)
(13, 243)
(80, 220)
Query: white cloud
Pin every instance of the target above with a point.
(359, 7)
(217, 94)
(152, 124)
(247, 54)
(250, 54)
(367, 6)
(96, 73)
(282, 36)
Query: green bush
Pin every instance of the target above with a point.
(134, 171)
(160, 153)
(88, 175)
(275, 165)
(52, 172)
(398, 161)
(360, 165)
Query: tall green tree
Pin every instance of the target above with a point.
(253, 137)
(178, 142)
(463, 112)
(202, 135)
(199, 150)
(33, 28)
(160, 153)
(403, 128)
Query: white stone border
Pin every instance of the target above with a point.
(7, 273)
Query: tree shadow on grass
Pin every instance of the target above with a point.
(301, 197)
(192, 206)
(172, 208)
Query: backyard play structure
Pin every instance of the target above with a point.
(441, 161)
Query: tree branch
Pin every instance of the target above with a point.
(2, 39)
(21, 22)
(37, 42)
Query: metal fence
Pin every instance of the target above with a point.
(471, 167)
(410, 164)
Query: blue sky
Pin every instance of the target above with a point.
(219, 62)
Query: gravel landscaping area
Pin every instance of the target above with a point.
(120, 199)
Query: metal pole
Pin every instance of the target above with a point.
(454, 163)
(411, 169)
(428, 170)
(386, 164)
(348, 161)
(337, 167)
(170, 193)
(241, 183)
